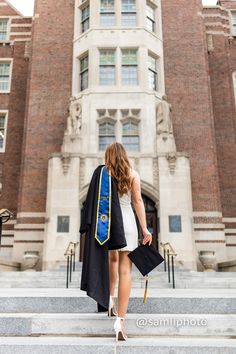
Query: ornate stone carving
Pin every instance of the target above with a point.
(130, 113)
(163, 117)
(65, 160)
(171, 158)
(106, 114)
(155, 173)
(74, 120)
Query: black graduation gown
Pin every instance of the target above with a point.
(95, 267)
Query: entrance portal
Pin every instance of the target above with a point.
(152, 221)
(152, 225)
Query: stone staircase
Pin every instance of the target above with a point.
(199, 316)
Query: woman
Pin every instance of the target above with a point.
(129, 191)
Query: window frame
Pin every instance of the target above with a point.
(8, 61)
(129, 12)
(129, 65)
(5, 112)
(107, 12)
(134, 122)
(114, 50)
(153, 21)
(233, 24)
(82, 72)
(8, 20)
(156, 72)
(82, 21)
(102, 122)
(234, 84)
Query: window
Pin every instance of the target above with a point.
(233, 20)
(128, 13)
(3, 29)
(2, 130)
(85, 19)
(107, 13)
(5, 76)
(107, 67)
(152, 73)
(130, 136)
(106, 134)
(234, 85)
(150, 16)
(129, 67)
(84, 73)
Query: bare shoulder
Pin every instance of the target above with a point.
(134, 175)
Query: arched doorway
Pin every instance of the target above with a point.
(152, 220)
(152, 224)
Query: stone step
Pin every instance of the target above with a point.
(169, 301)
(100, 324)
(156, 280)
(108, 345)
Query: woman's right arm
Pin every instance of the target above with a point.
(137, 202)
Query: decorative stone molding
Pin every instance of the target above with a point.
(106, 115)
(155, 172)
(130, 114)
(65, 160)
(171, 158)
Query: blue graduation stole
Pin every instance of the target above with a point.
(103, 216)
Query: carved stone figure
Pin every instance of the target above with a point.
(75, 117)
(163, 117)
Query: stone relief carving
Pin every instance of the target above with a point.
(171, 158)
(65, 161)
(163, 117)
(74, 119)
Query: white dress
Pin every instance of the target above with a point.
(129, 222)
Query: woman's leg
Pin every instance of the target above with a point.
(113, 270)
(124, 288)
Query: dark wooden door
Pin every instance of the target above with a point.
(152, 225)
(152, 221)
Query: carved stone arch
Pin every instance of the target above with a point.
(150, 191)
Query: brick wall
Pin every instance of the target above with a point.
(14, 102)
(222, 63)
(48, 97)
(188, 90)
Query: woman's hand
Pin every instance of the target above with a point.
(147, 237)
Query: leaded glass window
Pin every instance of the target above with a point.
(106, 134)
(130, 136)
(107, 13)
(128, 13)
(129, 67)
(107, 67)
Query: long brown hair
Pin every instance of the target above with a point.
(117, 161)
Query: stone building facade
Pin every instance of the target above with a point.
(157, 76)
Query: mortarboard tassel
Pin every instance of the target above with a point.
(145, 291)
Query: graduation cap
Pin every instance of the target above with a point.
(146, 258)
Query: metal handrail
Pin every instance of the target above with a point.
(169, 253)
(70, 260)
